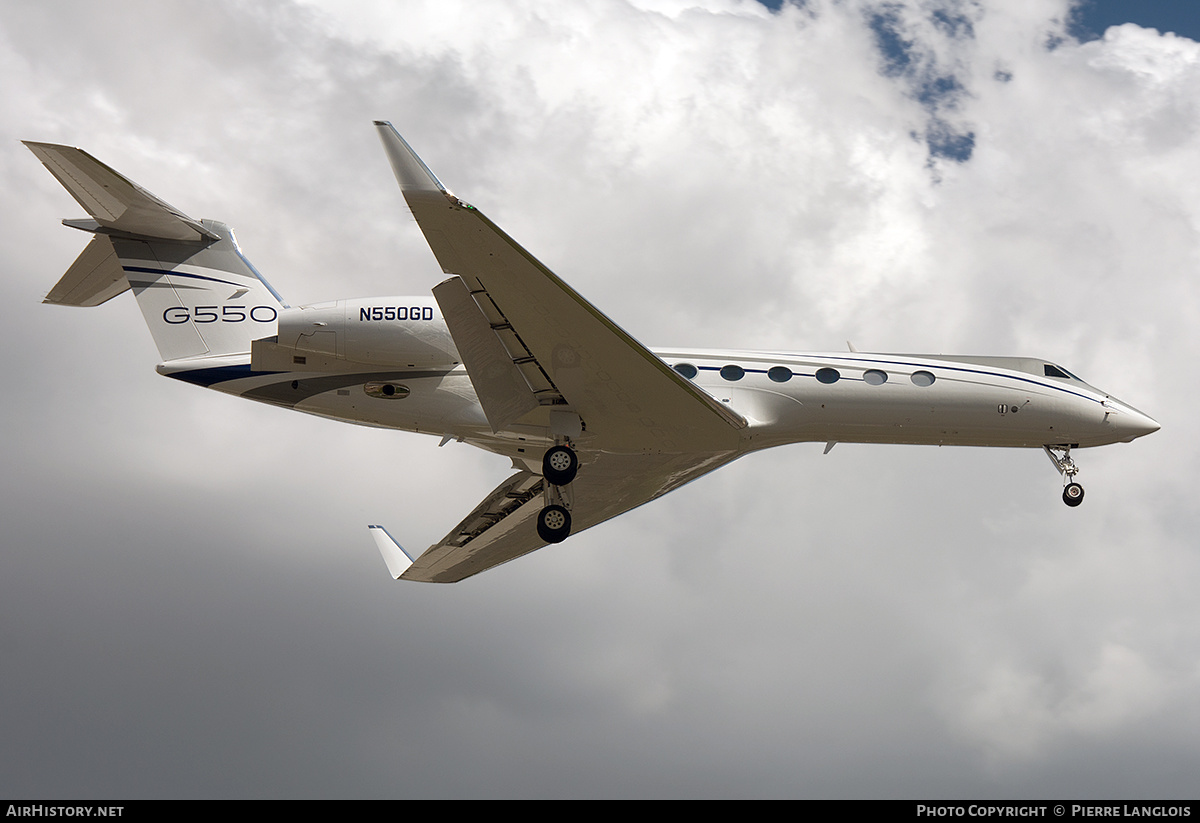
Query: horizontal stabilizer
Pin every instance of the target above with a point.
(113, 200)
(393, 553)
(95, 277)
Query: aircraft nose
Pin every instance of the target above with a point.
(1144, 424)
(1131, 423)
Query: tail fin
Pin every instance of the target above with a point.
(199, 300)
(199, 294)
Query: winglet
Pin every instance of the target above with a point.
(394, 555)
(411, 172)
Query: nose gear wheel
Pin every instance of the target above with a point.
(1073, 494)
(1072, 491)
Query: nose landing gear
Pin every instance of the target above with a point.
(1072, 492)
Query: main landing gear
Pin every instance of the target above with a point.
(559, 467)
(1072, 492)
(554, 523)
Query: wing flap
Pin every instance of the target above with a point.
(485, 537)
(502, 391)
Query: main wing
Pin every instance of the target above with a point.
(628, 399)
(530, 340)
(501, 528)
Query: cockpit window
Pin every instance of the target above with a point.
(1056, 371)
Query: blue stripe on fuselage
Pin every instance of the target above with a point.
(218, 374)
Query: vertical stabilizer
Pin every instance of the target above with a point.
(199, 294)
(199, 300)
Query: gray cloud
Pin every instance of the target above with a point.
(191, 604)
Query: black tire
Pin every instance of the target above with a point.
(559, 465)
(554, 524)
(1073, 494)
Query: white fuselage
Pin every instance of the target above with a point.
(857, 397)
(848, 397)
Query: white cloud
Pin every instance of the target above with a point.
(184, 568)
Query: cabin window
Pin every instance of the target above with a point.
(780, 374)
(828, 375)
(686, 369)
(923, 378)
(733, 372)
(874, 377)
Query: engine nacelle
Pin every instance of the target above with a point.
(384, 331)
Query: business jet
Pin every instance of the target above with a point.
(507, 357)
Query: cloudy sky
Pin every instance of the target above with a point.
(191, 606)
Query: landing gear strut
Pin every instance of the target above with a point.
(559, 467)
(1072, 492)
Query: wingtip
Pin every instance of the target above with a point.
(394, 555)
(411, 172)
